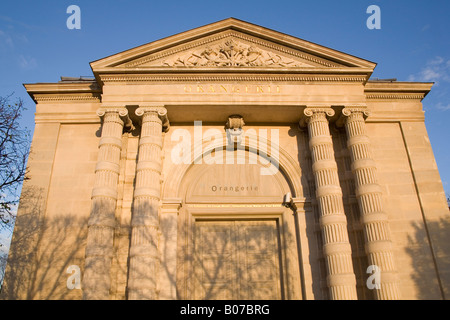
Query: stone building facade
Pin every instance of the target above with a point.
(230, 162)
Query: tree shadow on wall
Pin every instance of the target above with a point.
(231, 260)
(208, 267)
(425, 274)
(207, 264)
(313, 232)
(41, 251)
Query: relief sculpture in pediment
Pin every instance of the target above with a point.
(231, 54)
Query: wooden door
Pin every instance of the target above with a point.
(237, 260)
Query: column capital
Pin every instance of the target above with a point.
(309, 111)
(160, 110)
(122, 111)
(347, 111)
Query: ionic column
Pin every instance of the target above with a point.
(338, 256)
(369, 194)
(101, 224)
(144, 257)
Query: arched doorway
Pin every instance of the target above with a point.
(236, 240)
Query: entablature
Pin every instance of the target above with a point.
(84, 92)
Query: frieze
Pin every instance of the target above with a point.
(391, 96)
(65, 97)
(235, 88)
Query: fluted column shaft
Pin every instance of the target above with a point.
(368, 193)
(144, 257)
(340, 278)
(101, 224)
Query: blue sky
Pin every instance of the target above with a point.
(413, 43)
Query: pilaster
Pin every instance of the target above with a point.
(168, 249)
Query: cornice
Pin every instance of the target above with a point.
(60, 87)
(52, 98)
(386, 90)
(54, 92)
(245, 77)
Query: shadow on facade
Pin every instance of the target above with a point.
(41, 251)
(235, 261)
(241, 263)
(313, 230)
(316, 258)
(428, 284)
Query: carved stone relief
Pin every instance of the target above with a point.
(231, 53)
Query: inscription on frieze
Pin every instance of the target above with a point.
(233, 88)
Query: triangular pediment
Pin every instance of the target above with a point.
(231, 43)
(229, 49)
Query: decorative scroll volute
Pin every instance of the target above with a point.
(161, 111)
(123, 115)
(309, 111)
(349, 110)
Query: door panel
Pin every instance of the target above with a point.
(237, 260)
(214, 261)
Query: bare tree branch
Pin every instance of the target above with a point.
(14, 150)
